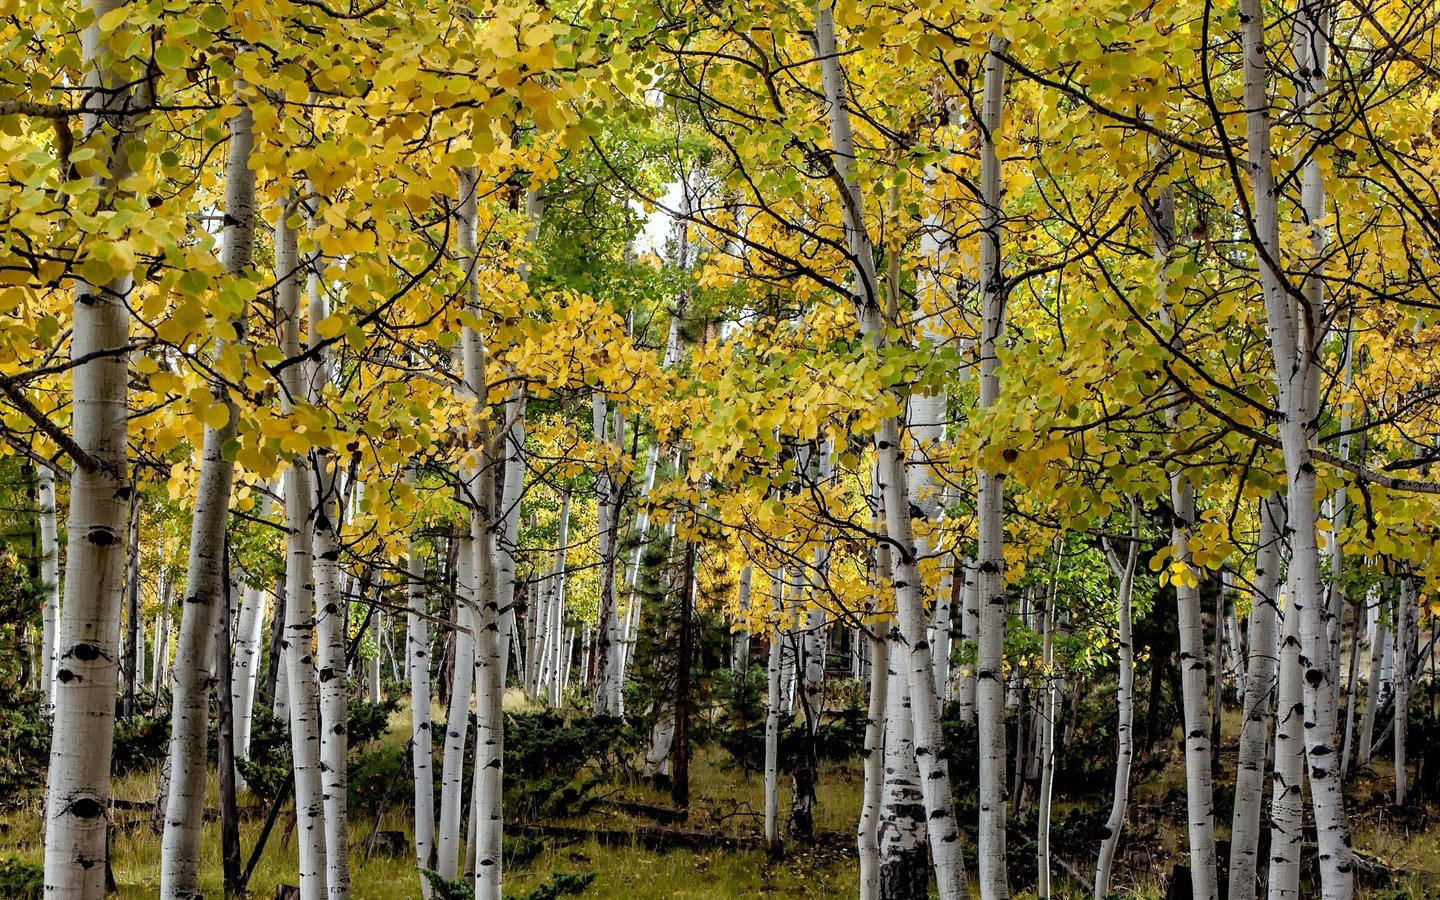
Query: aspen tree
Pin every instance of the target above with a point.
(1295, 326)
(1254, 727)
(50, 582)
(1124, 572)
(302, 698)
(990, 560)
(205, 593)
(935, 779)
(87, 642)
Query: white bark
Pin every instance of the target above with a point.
(1295, 338)
(990, 560)
(1287, 804)
(87, 644)
(970, 629)
(205, 588)
(49, 582)
(1379, 640)
(902, 833)
(740, 639)
(772, 714)
(1124, 701)
(330, 611)
(302, 696)
(1254, 728)
(1050, 707)
(555, 625)
(609, 700)
(868, 839)
(513, 489)
(935, 779)
(245, 674)
(457, 719)
(1404, 623)
(417, 655)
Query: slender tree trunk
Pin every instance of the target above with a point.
(134, 633)
(740, 638)
(868, 838)
(684, 699)
(1379, 640)
(1404, 622)
(245, 675)
(1295, 337)
(50, 583)
(78, 790)
(772, 715)
(1353, 686)
(970, 629)
(990, 684)
(225, 739)
(302, 698)
(422, 745)
(1125, 703)
(1046, 739)
(904, 873)
(1254, 728)
(1287, 804)
(207, 574)
(935, 778)
(457, 719)
(609, 699)
(555, 628)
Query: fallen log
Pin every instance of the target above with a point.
(652, 837)
(662, 814)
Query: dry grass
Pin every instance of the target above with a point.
(723, 798)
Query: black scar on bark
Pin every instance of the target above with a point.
(86, 808)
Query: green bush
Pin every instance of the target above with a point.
(20, 880)
(141, 743)
(24, 745)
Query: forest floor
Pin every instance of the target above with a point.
(725, 801)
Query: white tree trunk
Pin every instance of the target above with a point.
(990, 560)
(970, 630)
(245, 674)
(610, 653)
(87, 645)
(330, 615)
(457, 718)
(49, 583)
(1255, 725)
(488, 820)
(1287, 804)
(513, 489)
(1050, 706)
(868, 837)
(555, 627)
(902, 834)
(1404, 623)
(935, 778)
(740, 639)
(159, 667)
(302, 696)
(1379, 640)
(1124, 701)
(1295, 339)
(422, 746)
(205, 595)
(1194, 686)
(773, 703)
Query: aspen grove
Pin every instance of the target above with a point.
(532, 448)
